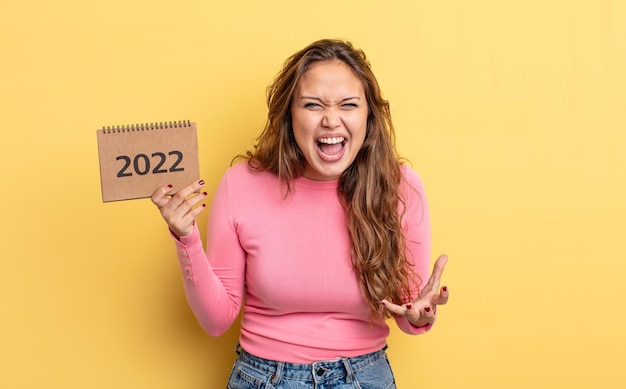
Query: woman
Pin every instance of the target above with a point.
(320, 236)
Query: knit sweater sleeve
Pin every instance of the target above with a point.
(214, 279)
(416, 224)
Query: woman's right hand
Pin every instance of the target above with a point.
(179, 209)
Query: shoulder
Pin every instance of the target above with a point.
(243, 171)
(413, 194)
(241, 177)
(411, 179)
(238, 170)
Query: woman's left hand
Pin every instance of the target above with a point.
(421, 311)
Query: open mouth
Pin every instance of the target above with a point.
(331, 149)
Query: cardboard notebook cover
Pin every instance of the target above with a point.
(137, 159)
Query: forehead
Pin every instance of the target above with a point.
(329, 77)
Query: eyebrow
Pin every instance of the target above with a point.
(322, 101)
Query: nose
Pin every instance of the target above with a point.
(331, 118)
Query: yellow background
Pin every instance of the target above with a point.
(512, 111)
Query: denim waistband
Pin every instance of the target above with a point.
(317, 371)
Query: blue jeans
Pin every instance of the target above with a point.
(370, 371)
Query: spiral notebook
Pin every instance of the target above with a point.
(136, 159)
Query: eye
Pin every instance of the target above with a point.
(348, 106)
(313, 106)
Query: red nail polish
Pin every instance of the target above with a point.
(204, 193)
(427, 309)
(445, 288)
(409, 306)
(170, 186)
(201, 182)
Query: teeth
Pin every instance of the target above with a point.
(331, 141)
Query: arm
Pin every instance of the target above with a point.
(213, 279)
(419, 315)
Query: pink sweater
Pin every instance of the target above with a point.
(286, 260)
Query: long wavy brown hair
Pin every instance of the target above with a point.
(368, 189)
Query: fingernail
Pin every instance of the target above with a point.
(427, 309)
(170, 186)
(409, 306)
(204, 193)
(201, 182)
(445, 288)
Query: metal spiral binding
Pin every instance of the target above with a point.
(145, 127)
